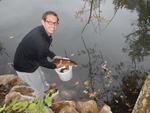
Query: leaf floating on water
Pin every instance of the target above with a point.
(11, 37)
(76, 83)
(93, 94)
(86, 83)
(121, 96)
(114, 93)
(116, 101)
(99, 90)
(78, 52)
(85, 91)
(72, 54)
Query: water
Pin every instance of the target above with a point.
(104, 39)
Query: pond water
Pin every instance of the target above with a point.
(118, 35)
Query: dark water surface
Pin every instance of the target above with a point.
(118, 33)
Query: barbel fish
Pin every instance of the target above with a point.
(65, 62)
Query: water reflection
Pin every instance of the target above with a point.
(90, 12)
(124, 97)
(139, 40)
(121, 88)
(8, 66)
(118, 86)
(3, 50)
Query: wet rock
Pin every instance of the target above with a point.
(13, 87)
(68, 109)
(48, 110)
(20, 93)
(87, 107)
(65, 107)
(6, 83)
(17, 96)
(105, 109)
(10, 80)
(24, 90)
(3, 91)
(142, 104)
(5, 79)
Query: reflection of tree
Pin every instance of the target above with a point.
(100, 79)
(120, 95)
(3, 51)
(139, 40)
(124, 97)
(90, 12)
(1, 48)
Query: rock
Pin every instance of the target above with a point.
(10, 79)
(4, 79)
(87, 107)
(10, 83)
(105, 109)
(62, 107)
(68, 109)
(17, 96)
(79, 107)
(6, 83)
(48, 110)
(20, 93)
(142, 104)
(24, 90)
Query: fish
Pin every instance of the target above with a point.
(65, 62)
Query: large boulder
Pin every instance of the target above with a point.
(87, 107)
(17, 96)
(20, 93)
(24, 90)
(105, 109)
(6, 83)
(10, 79)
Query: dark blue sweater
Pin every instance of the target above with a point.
(33, 51)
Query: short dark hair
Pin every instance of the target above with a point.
(49, 13)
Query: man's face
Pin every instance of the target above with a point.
(50, 24)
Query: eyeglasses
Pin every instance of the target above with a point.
(52, 23)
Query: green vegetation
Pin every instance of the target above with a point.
(36, 106)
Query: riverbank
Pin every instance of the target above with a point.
(11, 87)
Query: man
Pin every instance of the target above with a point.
(33, 51)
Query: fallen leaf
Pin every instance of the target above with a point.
(77, 83)
(93, 94)
(86, 83)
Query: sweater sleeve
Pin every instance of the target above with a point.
(51, 54)
(42, 58)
